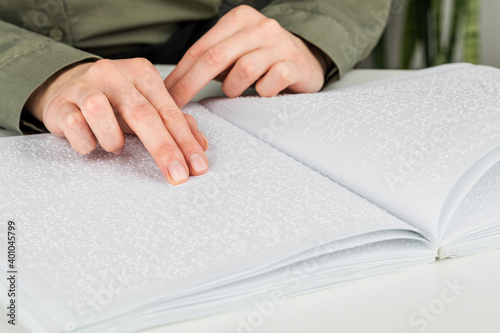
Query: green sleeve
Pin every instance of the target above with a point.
(26, 61)
(346, 30)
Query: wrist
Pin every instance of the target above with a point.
(35, 103)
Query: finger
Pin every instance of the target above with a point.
(222, 76)
(123, 125)
(211, 63)
(76, 130)
(200, 137)
(248, 69)
(147, 124)
(228, 25)
(151, 86)
(100, 116)
(279, 77)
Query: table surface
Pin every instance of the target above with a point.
(421, 299)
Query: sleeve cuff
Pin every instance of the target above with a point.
(27, 71)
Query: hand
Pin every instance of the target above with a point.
(244, 48)
(103, 100)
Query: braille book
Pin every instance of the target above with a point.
(303, 192)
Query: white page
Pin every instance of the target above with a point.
(475, 226)
(102, 234)
(401, 143)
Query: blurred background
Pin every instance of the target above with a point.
(424, 33)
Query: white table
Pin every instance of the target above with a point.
(382, 304)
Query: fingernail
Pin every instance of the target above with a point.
(177, 172)
(198, 163)
(205, 139)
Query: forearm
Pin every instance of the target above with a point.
(26, 61)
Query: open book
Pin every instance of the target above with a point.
(304, 191)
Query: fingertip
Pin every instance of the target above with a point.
(119, 151)
(177, 173)
(84, 147)
(265, 88)
(198, 164)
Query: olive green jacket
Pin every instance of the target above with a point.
(39, 37)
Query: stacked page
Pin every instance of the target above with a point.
(303, 192)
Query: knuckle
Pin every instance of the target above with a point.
(242, 15)
(247, 68)
(242, 12)
(141, 112)
(214, 57)
(195, 52)
(170, 113)
(73, 121)
(271, 26)
(282, 75)
(150, 81)
(94, 104)
(142, 62)
(102, 66)
(142, 65)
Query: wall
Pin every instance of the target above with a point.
(490, 32)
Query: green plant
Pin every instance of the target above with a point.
(423, 25)
(423, 32)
